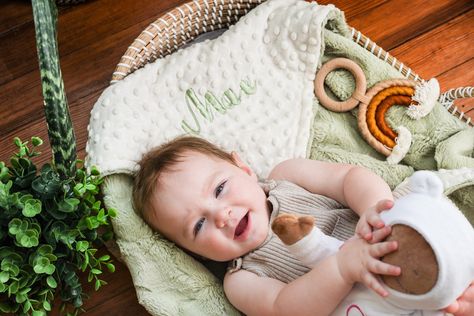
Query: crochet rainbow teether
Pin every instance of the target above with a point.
(374, 104)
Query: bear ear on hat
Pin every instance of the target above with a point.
(426, 182)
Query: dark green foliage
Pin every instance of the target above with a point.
(48, 227)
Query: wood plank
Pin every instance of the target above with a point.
(78, 27)
(87, 64)
(352, 9)
(460, 76)
(124, 304)
(395, 22)
(21, 101)
(80, 116)
(440, 49)
(14, 13)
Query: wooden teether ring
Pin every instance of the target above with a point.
(353, 101)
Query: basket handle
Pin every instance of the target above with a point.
(447, 100)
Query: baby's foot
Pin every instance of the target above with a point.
(291, 228)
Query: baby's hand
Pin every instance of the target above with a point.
(358, 261)
(370, 219)
(464, 305)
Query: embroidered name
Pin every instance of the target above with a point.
(205, 108)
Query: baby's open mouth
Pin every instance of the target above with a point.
(241, 227)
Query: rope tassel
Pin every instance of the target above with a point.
(426, 95)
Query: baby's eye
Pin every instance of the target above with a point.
(219, 189)
(198, 225)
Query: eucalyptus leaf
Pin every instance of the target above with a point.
(51, 282)
(32, 208)
(4, 276)
(47, 306)
(36, 141)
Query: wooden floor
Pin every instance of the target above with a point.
(435, 38)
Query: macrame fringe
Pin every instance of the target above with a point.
(399, 151)
(426, 95)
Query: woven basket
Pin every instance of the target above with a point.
(183, 24)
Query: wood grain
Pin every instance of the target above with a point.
(435, 40)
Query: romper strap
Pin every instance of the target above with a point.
(234, 265)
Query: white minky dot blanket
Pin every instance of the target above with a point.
(250, 90)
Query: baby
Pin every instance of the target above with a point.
(210, 203)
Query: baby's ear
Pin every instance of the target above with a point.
(239, 162)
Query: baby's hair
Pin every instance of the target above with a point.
(162, 159)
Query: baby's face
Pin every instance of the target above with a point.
(212, 207)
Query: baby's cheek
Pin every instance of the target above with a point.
(219, 247)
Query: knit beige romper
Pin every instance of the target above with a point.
(272, 259)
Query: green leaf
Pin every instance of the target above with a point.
(45, 249)
(31, 208)
(97, 284)
(3, 172)
(26, 307)
(50, 269)
(13, 288)
(90, 187)
(48, 183)
(36, 141)
(112, 212)
(82, 245)
(4, 276)
(79, 189)
(17, 141)
(51, 282)
(110, 267)
(38, 313)
(92, 222)
(47, 306)
(104, 258)
(95, 171)
(96, 206)
(14, 226)
(20, 298)
(68, 205)
(63, 144)
(96, 271)
(101, 216)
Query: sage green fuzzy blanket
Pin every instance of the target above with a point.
(440, 140)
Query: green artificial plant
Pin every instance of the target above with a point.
(51, 219)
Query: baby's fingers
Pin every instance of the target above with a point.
(382, 248)
(383, 205)
(380, 234)
(378, 267)
(364, 230)
(375, 220)
(371, 282)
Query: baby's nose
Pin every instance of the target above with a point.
(223, 217)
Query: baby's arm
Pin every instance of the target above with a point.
(356, 187)
(319, 291)
(316, 293)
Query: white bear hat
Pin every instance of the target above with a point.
(446, 230)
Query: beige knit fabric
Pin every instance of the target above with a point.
(272, 259)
